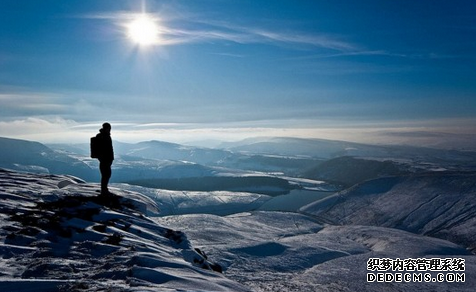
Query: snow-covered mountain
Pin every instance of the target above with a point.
(238, 168)
(160, 150)
(343, 162)
(57, 234)
(162, 160)
(156, 150)
(438, 204)
(154, 162)
(176, 167)
(275, 251)
(328, 149)
(163, 151)
(192, 202)
(318, 148)
(32, 156)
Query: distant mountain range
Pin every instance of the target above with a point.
(35, 157)
(160, 163)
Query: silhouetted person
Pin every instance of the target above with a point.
(105, 156)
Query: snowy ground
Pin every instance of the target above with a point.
(274, 251)
(435, 204)
(56, 234)
(189, 202)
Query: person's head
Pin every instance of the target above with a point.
(106, 127)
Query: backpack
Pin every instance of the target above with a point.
(95, 147)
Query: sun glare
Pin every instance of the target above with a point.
(143, 31)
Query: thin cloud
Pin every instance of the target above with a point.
(39, 129)
(229, 55)
(321, 41)
(26, 104)
(253, 35)
(176, 30)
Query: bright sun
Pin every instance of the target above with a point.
(143, 31)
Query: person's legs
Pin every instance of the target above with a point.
(105, 168)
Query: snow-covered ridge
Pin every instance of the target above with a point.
(439, 204)
(285, 251)
(57, 234)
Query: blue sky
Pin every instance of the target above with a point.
(350, 70)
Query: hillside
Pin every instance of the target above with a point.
(418, 158)
(31, 156)
(349, 170)
(441, 205)
(58, 235)
(283, 251)
(160, 150)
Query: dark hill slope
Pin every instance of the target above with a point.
(35, 157)
(349, 171)
(442, 205)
